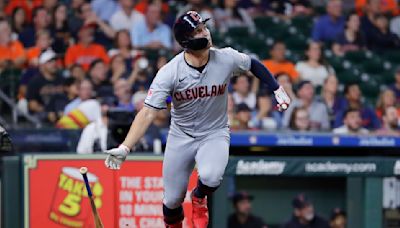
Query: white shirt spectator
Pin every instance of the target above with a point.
(250, 100)
(316, 75)
(343, 130)
(120, 20)
(95, 132)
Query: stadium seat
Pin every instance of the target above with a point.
(296, 43)
(357, 57)
(370, 89)
(349, 76)
(303, 24)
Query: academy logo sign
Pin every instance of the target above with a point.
(260, 167)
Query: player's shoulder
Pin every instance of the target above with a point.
(172, 65)
(224, 50)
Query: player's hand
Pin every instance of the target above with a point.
(282, 98)
(116, 156)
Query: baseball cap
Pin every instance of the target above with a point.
(242, 195)
(46, 56)
(301, 201)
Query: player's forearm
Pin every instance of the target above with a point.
(139, 126)
(262, 73)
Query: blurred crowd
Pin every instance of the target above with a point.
(68, 62)
(304, 214)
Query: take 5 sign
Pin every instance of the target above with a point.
(55, 194)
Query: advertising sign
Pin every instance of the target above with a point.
(55, 194)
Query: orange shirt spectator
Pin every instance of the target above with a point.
(85, 51)
(281, 67)
(278, 63)
(85, 55)
(27, 5)
(386, 6)
(12, 51)
(33, 53)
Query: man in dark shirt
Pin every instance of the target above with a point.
(45, 85)
(242, 218)
(304, 215)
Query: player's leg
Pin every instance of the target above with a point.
(177, 167)
(211, 158)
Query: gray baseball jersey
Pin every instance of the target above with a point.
(199, 99)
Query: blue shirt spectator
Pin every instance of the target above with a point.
(329, 26)
(151, 32)
(353, 100)
(105, 8)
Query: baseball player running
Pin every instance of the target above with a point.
(197, 81)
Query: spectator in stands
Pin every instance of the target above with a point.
(372, 10)
(58, 102)
(242, 93)
(27, 5)
(105, 9)
(202, 8)
(338, 218)
(123, 46)
(98, 76)
(387, 98)
(264, 116)
(76, 71)
(386, 6)
(352, 100)
(352, 123)
(242, 117)
(11, 51)
(395, 26)
(229, 15)
(18, 21)
(242, 217)
(390, 120)
(103, 33)
(126, 16)
(94, 137)
(118, 69)
(278, 62)
(44, 85)
(382, 39)
(60, 29)
(285, 81)
(314, 68)
(352, 38)
(123, 93)
(140, 78)
(288, 9)
(151, 33)
(87, 112)
(300, 120)
(331, 98)
(43, 42)
(41, 20)
(396, 86)
(304, 214)
(329, 26)
(255, 8)
(317, 111)
(85, 51)
(85, 92)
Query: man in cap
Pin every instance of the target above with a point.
(45, 85)
(242, 217)
(304, 215)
